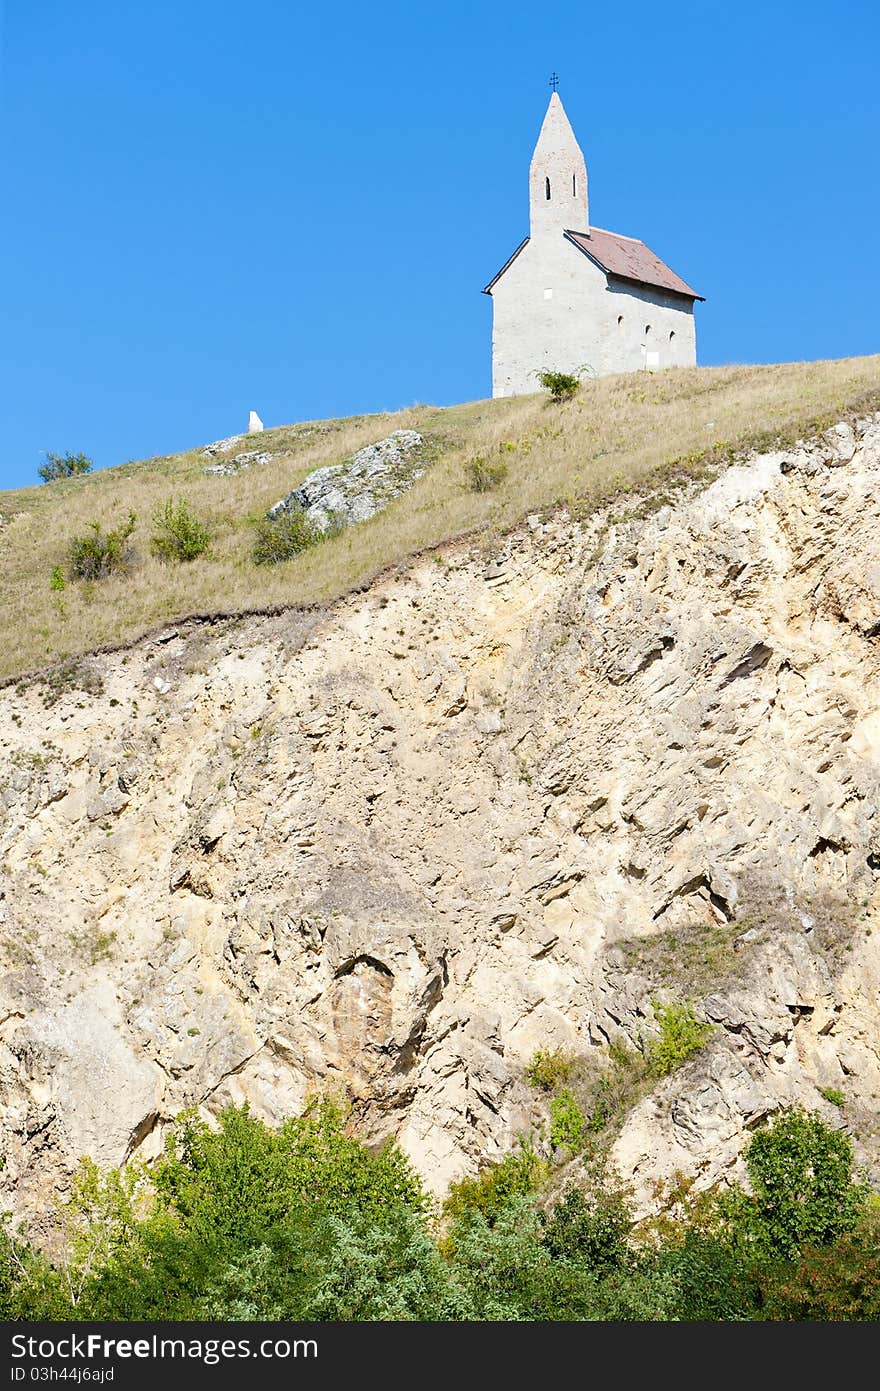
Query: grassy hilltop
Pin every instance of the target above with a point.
(634, 431)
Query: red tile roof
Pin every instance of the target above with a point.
(629, 259)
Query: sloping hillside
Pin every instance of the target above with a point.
(619, 433)
(513, 798)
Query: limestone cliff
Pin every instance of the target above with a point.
(398, 846)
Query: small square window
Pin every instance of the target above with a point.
(548, 294)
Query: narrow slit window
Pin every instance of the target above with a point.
(619, 320)
(547, 189)
(574, 185)
(647, 330)
(671, 334)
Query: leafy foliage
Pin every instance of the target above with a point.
(561, 385)
(284, 536)
(178, 534)
(64, 466)
(518, 1175)
(303, 1222)
(100, 553)
(834, 1095)
(549, 1068)
(803, 1194)
(590, 1226)
(483, 476)
(567, 1122)
(681, 1034)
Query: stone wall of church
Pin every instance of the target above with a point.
(554, 309)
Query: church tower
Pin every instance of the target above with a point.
(558, 177)
(578, 298)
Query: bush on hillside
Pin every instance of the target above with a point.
(567, 1122)
(282, 537)
(548, 1068)
(304, 1222)
(591, 1226)
(482, 476)
(561, 385)
(518, 1175)
(803, 1193)
(681, 1034)
(178, 534)
(64, 466)
(100, 553)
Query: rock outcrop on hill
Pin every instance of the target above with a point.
(499, 803)
(354, 491)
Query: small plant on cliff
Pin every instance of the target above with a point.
(482, 476)
(567, 1122)
(64, 466)
(282, 537)
(681, 1034)
(178, 534)
(561, 385)
(834, 1095)
(100, 553)
(549, 1068)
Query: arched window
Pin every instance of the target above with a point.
(619, 320)
(647, 330)
(671, 334)
(574, 185)
(547, 189)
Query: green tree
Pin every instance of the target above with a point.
(567, 1122)
(561, 385)
(803, 1193)
(517, 1175)
(64, 466)
(590, 1226)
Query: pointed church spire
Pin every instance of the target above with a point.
(557, 176)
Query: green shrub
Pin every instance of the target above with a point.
(590, 1227)
(561, 385)
(100, 553)
(567, 1122)
(178, 534)
(800, 1171)
(64, 466)
(244, 1177)
(57, 581)
(681, 1034)
(828, 1284)
(284, 536)
(834, 1095)
(519, 1174)
(619, 1087)
(548, 1068)
(482, 476)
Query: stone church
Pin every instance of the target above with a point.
(575, 298)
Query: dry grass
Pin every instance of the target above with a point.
(636, 431)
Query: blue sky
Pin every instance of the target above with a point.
(211, 207)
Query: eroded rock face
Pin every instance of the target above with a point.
(399, 848)
(359, 488)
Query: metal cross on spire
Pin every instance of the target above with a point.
(554, 81)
